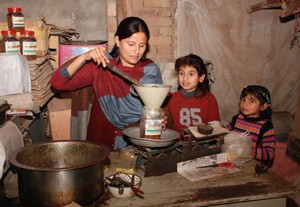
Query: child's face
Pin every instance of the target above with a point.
(188, 78)
(251, 106)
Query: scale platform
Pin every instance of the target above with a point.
(162, 160)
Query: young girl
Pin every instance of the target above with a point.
(255, 117)
(193, 103)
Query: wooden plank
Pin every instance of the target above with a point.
(291, 7)
(173, 190)
(59, 111)
(263, 5)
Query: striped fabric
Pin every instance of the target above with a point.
(261, 132)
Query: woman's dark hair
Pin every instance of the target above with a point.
(263, 95)
(127, 28)
(196, 62)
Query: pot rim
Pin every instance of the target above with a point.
(16, 164)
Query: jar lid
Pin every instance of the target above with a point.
(9, 32)
(17, 9)
(26, 32)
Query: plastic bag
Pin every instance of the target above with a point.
(238, 147)
(14, 74)
(128, 153)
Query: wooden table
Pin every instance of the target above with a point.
(242, 189)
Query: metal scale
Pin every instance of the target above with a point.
(160, 156)
(157, 161)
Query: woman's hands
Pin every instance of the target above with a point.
(98, 55)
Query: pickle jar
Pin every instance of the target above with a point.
(15, 19)
(151, 123)
(9, 42)
(28, 44)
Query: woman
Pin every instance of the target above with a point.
(114, 107)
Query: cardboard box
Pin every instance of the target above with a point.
(70, 49)
(41, 32)
(293, 147)
(59, 111)
(54, 50)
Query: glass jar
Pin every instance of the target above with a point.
(151, 123)
(15, 19)
(28, 44)
(9, 42)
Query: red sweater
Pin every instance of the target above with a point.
(190, 111)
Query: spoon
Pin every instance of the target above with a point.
(122, 74)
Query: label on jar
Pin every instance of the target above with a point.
(18, 21)
(29, 48)
(153, 127)
(12, 47)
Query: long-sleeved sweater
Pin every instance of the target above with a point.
(261, 132)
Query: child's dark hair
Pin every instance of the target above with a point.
(197, 62)
(263, 95)
(127, 28)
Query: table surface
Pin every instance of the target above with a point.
(174, 190)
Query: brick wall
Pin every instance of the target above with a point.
(159, 16)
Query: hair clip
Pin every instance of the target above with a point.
(266, 96)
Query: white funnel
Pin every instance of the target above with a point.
(153, 95)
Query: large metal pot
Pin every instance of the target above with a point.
(60, 172)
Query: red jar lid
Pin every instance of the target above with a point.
(12, 10)
(27, 32)
(9, 32)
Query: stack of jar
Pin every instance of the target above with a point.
(24, 43)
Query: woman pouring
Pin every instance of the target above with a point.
(114, 107)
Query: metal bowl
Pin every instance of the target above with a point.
(167, 138)
(119, 191)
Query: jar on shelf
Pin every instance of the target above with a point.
(15, 19)
(28, 44)
(9, 42)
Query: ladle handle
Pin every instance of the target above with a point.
(124, 75)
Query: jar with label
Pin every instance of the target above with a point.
(151, 123)
(15, 19)
(9, 42)
(28, 44)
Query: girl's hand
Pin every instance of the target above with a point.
(165, 120)
(97, 55)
